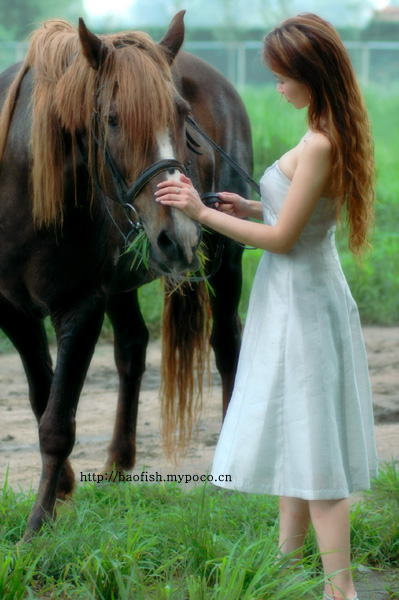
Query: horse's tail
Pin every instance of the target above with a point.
(9, 105)
(185, 360)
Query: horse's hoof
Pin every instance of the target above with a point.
(27, 537)
(66, 482)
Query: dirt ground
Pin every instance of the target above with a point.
(19, 441)
(18, 431)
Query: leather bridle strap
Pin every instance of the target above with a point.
(126, 195)
(243, 174)
(167, 164)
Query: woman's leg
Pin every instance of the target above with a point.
(294, 523)
(331, 521)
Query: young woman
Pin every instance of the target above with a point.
(300, 421)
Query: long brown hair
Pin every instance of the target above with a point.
(308, 49)
(64, 97)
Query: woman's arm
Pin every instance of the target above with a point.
(309, 181)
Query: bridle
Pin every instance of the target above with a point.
(126, 195)
(235, 166)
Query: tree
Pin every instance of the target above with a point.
(19, 17)
(274, 11)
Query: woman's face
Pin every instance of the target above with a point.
(295, 92)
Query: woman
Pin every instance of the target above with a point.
(300, 421)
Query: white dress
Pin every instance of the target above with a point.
(300, 420)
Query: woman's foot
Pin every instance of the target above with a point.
(292, 566)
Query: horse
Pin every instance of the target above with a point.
(89, 125)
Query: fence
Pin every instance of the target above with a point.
(374, 62)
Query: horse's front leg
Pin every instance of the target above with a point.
(131, 339)
(28, 335)
(226, 327)
(77, 332)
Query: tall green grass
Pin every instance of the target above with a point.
(156, 541)
(277, 127)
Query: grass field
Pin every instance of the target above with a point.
(160, 541)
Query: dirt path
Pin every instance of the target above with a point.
(18, 432)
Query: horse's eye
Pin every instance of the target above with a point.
(112, 121)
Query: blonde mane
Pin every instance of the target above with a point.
(66, 90)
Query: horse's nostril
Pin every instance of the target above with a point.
(168, 244)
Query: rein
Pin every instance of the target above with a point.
(235, 166)
(126, 195)
(212, 197)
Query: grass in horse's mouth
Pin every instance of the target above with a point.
(141, 247)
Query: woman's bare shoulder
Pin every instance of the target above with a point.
(315, 162)
(317, 151)
(319, 142)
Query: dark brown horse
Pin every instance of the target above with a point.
(83, 118)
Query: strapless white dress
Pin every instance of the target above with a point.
(300, 420)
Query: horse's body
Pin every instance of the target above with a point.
(68, 261)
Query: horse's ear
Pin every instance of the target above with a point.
(93, 48)
(174, 37)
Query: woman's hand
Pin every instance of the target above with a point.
(180, 193)
(233, 204)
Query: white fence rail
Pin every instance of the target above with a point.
(374, 62)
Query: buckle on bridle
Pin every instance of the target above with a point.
(137, 225)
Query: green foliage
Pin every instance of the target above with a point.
(381, 30)
(19, 17)
(153, 541)
(375, 284)
(140, 249)
(378, 544)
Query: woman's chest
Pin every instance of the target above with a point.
(289, 161)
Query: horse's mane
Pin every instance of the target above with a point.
(64, 96)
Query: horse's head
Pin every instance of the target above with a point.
(137, 124)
